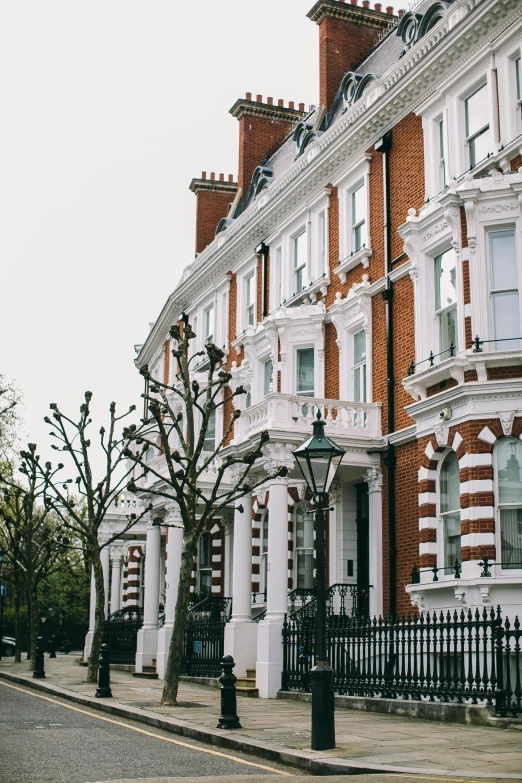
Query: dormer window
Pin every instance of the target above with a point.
(261, 179)
(478, 134)
(304, 134)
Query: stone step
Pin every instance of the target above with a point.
(246, 682)
(251, 674)
(252, 693)
(148, 673)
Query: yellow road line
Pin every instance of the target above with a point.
(149, 733)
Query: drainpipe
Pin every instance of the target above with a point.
(264, 250)
(384, 146)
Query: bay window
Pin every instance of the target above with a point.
(446, 301)
(509, 480)
(449, 508)
(359, 366)
(478, 133)
(304, 546)
(305, 372)
(505, 304)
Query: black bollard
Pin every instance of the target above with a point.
(39, 671)
(52, 647)
(103, 690)
(228, 718)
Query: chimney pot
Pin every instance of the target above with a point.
(290, 104)
(249, 96)
(203, 175)
(259, 98)
(212, 175)
(389, 9)
(280, 102)
(378, 7)
(354, 2)
(270, 101)
(230, 177)
(221, 177)
(301, 107)
(366, 3)
(401, 13)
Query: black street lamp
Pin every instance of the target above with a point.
(3, 559)
(319, 459)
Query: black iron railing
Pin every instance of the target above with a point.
(455, 571)
(486, 564)
(477, 343)
(446, 657)
(121, 634)
(259, 597)
(203, 646)
(431, 358)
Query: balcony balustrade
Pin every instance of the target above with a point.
(289, 413)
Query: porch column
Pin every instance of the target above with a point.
(116, 553)
(147, 642)
(105, 561)
(270, 642)
(241, 632)
(373, 477)
(174, 546)
(92, 613)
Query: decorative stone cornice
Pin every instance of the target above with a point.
(214, 185)
(245, 108)
(364, 17)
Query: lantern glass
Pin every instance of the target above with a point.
(319, 459)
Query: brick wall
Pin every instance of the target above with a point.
(407, 523)
(213, 197)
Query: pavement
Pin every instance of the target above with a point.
(279, 731)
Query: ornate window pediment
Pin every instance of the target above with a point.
(261, 179)
(413, 27)
(304, 134)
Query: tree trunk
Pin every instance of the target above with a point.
(170, 689)
(18, 622)
(99, 619)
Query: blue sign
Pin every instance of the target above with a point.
(3, 590)
(198, 647)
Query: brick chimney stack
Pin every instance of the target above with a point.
(346, 32)
(213, 195)
(262, 127)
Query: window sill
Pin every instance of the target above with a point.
(310, 292)
(362, 256)
(484, 360)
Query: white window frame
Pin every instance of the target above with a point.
(517, 572)
(206, 569)
(459, 129)
(441, 311)
(362, 366)
(348, 183)
(349, 316)
(244, 271)
(250, 299)
(441, 538)
(433, 113)
(510, 106)
(507, 346)
(210, 322)
(307, 347)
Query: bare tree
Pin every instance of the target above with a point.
(200, 481)
(10, 398)
(33, 541)
(84, 514)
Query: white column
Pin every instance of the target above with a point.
(116, 553)
(105, 561)
(241, 632)
(92, 613)
(174, 546)
(373, 478)
(147, 642)
(269, 641)
(334, 553)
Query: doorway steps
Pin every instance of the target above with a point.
(246, 686)
(148, 673)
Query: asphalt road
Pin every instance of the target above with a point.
(45, 741)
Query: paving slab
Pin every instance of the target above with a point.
(280, 729)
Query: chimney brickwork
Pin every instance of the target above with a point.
(262, 128)
(213, 198)
(346, 33)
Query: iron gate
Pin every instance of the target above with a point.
(205, 636)
(121, 634)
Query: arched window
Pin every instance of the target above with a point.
(204, 583)
(449, 508)
(304, 546)
(509, 483)
(264, 553)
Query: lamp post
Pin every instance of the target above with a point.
(319, 459)
(3, 559)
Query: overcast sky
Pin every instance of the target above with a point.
(109, 108)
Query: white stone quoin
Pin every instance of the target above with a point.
(174, 547)
(147, 642)
(241, 632)
(270, 642)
